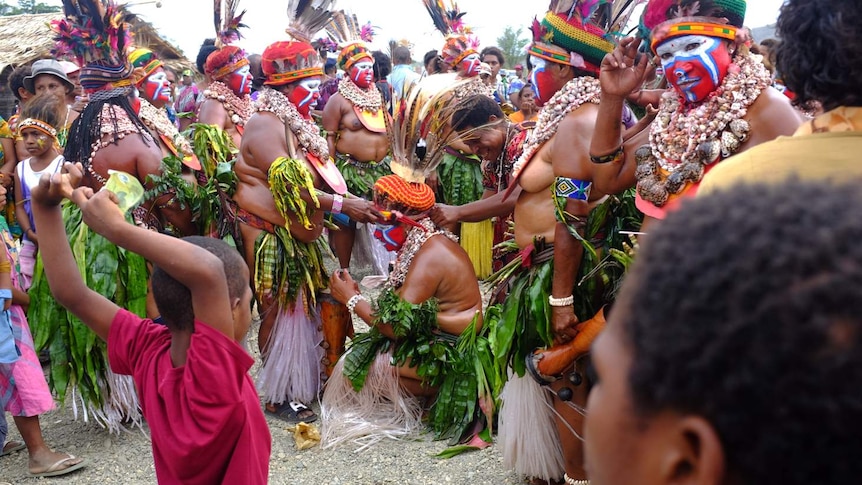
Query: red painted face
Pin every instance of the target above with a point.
(239, 81)
(392, 237)
(362, 73)
(695, 65)
(543, 83)
(156, 87)
(470, 65)
(305, 95)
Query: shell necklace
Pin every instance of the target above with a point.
(239, 108)
(369, 99)
(306, 131)
(573, 95)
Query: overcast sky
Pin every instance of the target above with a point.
(188, 22)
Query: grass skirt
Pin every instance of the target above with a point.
(381, 410)
(527, 434)
(477, 239)
(291, 367)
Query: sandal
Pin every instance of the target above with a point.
(289, 411)
(11, 447)
(60, 467)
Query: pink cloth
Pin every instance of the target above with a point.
(27, 263)
(23, 389)
(205, 417)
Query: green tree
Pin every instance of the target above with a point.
(27, 6)
(512, 45)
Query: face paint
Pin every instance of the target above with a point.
(392, 237)
(40, 142)
(695, 65)
(541, 80)
(305, 94)
(157, 88)
(470, 65)
(362, 73)
(239, 81)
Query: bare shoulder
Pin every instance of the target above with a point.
(212, 112)
(771, 115)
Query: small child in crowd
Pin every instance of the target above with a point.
(192, 377)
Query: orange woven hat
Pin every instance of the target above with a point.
(286, 62)
(415, 195)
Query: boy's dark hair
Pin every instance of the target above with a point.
(16, 79)
(401, 55)
(257, 77)
(494, 51)
(175, 300)
(428, 56)
(820, 53)
(475, 111)
(44, 107)
(382, 65)
(745, 308)
(207, 48)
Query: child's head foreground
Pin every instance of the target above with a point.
(175, 300)
(734, 352)
(37, 128)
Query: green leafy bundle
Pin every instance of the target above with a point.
(461, 179)
(78, 356)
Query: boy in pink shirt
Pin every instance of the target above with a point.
(192, 377)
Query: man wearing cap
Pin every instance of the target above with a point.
(156, 97)
(721, 103)
(227, 104)
(48, 76)
(558, 213)
(355, 123)
(286, 181)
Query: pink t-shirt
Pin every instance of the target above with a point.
(205, 417)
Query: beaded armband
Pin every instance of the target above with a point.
(566, 189)
(616, 156)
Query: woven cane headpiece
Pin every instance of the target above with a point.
(352, 39)
(666, 19)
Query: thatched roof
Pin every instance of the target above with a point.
(26, 38)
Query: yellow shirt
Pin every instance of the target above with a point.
(826, 148)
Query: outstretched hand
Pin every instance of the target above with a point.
(360, 210)
(53, 188)
(623, 69)
(445, 216)
(342, 286)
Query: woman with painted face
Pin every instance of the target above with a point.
(154, 95)
(720, 103)
(286, 180)
(227, 104)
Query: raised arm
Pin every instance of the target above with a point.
(194, 267)
(64, 278)
(621, 75)
(478, 211)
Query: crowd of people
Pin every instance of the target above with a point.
(663, 225)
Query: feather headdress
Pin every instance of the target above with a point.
(307, 18)
(92, 31)
(580, 32)
(227, 22)
(344, 29)
(447, 20)
(423, 114)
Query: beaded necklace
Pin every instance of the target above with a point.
(684, 138)
(306, 131)
(573, 95)
(239, 108)
(115, 120)
(157, 120)
(369, 99)
(416, 238)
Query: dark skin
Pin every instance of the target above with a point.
(196, 268)
(487, 142)
(623, 70)
(346, 134)
(561, 156)
(441, 270)
(262, 143)
(42, 152)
